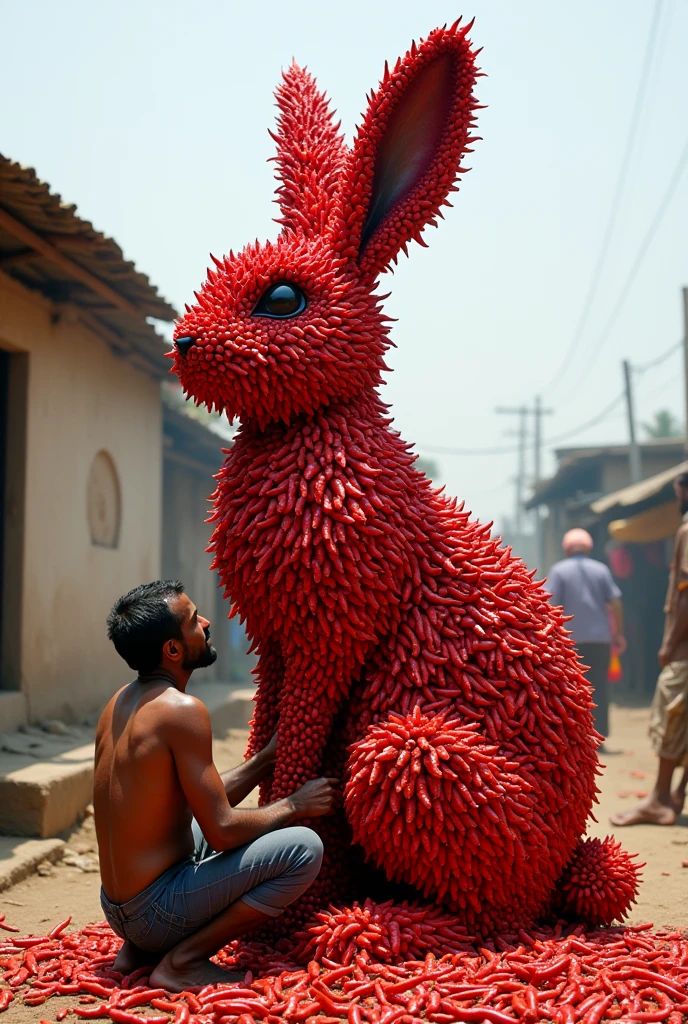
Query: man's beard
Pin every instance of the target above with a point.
(201, 660)
(684, 505)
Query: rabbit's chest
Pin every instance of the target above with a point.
(304, 542)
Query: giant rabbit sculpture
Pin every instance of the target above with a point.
(400, 645)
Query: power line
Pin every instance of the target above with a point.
(616, 198)
(640, 370)
(522, 411)
(637, 263)
(659, 360)
(660, 387)
(664, 34)
(469, 495)
(589, 423)
(435, 449)
(612, 405)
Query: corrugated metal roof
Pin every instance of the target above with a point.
(48, 248)
(573, 463)
(634, 494)
(650, 444)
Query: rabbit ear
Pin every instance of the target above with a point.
(406, 155)
(310, 153)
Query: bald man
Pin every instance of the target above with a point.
(585, 589)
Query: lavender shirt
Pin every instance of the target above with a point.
(584, 587)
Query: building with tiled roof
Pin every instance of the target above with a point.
(102, 484)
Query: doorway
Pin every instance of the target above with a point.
(14, 375)
(4, 398)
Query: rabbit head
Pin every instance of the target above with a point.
(284, 327)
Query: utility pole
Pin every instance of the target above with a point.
(633, 450)
(522, 412)
(685, 364)
(521, 479)
(538, 413)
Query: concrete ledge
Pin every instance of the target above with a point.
(45, 797)
(19, 858)
(45, 785)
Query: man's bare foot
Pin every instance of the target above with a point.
(678, 799)
(130, 958)
(177, 979)
(649, 812)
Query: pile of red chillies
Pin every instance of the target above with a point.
(563, 974)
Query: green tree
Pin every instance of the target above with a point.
(428, 466)
(663, 424)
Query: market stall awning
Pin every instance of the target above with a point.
(658, 523)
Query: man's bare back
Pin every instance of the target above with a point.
(143, 820)
(154, 774)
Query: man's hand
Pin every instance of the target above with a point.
(269, 752)
(620, 644)
(665, 656)
(314, 798)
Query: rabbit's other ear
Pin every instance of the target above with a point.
(406, 155)
(310, 153)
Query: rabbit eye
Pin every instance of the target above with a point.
(184, 344)
(280, 301)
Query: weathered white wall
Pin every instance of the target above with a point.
(80, 399)
(185, 536)
(616, 473)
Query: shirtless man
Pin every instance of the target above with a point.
(183, 871)
(669, 715)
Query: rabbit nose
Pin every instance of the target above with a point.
(184, 344)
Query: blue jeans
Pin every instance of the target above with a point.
(267, 874)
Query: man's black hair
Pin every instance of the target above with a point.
(682, 480)
(141, 622)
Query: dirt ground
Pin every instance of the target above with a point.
(628, 773)
(64, 889)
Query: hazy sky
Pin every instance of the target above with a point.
(152, 117)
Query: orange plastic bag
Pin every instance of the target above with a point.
(614, 673)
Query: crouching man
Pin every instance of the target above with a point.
(183, 871)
